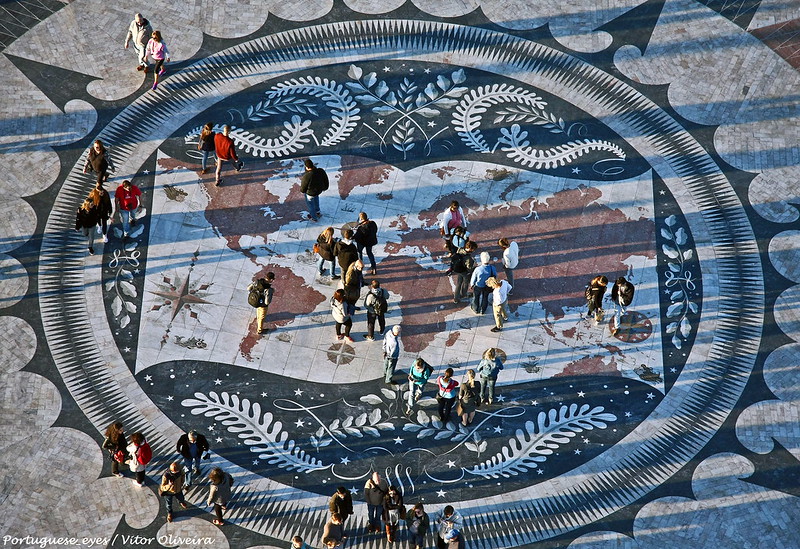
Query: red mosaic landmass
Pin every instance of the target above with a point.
(590, 365)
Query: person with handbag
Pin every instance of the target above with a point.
(140, 455)
(172, 487)
(324, 248)
(393, 512)
(448, 390)
(115, 444)
(469, 398)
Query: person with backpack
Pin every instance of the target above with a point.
(353, 281)
(621, 297)
(462, 264)
(219, 493)
(459, 239)
(366, 236)
(488, 369)
(594, 293)
(140, 455)
(377, 303)
(418, 376)
(312, 184)
(260, 296)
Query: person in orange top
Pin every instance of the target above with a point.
(226, 152)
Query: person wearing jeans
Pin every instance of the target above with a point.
(172, 487)
(127, 202)
(480, 291)
(374, 491)
(418, 376)
(488, 368)
(192, 446)
(391, 352)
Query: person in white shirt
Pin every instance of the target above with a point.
(510, 258)
(500, 291)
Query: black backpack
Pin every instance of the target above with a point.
(380, 305)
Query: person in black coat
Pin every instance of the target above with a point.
(366, 236)
(192, 446)
(86, 220)
(341, 503)
(312, 184)
(345, 251)
(594, 296)
(98, 161)
(393, 512)
(621, 297)
(326, 244)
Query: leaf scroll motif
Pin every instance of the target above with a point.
(679, 280)
(530, 447)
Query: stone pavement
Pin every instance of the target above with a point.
(652, 140)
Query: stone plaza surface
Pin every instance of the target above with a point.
(654, 140)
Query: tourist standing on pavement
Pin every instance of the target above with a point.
(157, 50)
(102, 204)
(116, 446)
(298, 543)
(452, 217)
(341, 503)
(345, 250)
(480, 291)
(377, 303)
(353, 281)
(488, 369)
(264, 291)
(366, 236)
(205, 144)
(510, 258)
(621, 297)
(462, 264)
(393, 512)
(469, 398)
(341, 312)
(139, 455)
(86, 220)
(139, 32)
(219, 494)
(325, 246)
(333, 533)
(172, 487)
(225, 149)
(374, 490)
(594, 293)
(449, 519)
(192, 446)
(126, 198)
(418, 524)
(98, 160)
(418, 376)
(446, 395)
(391, 352)
(500, 291)
(312, 184)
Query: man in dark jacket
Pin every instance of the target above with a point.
(345, 250)
(313, 182)
(621, 297)
(341, 504)
(192, 446)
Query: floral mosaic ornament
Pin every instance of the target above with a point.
(680, 282)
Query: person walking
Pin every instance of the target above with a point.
(172, 487)
(341, 312)
(126, 200)
(594, 293)
(98, 160)
(192, 446)
(157, 50)
(139, 32)
(376, 303)
(448, 391)
(101, 201)
(480, 291)
(312, 184)
(418, 524)
(462, 264)
(333, 533)
(418, 376)
(510, 258)
(86, 220)
(366, 236)
(621, 296)
(500, 291)
(225, 149)
(469, 398)
(205, 144)
(219, 494)
(324, 247)
(262, 292)
(488, 369)
(353, 281)
(345, 250)
(393, 512)
(139, 454)
(391, 353)
(116, 446)
(341, 503)
(375, 489)
(449, 519)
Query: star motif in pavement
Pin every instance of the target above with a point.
(380, 122)
(353, 490)
(146, 172)
(540, 472)
(298, 392)
(431, 124)
(576, 170)
(650, 395)
(179, 297)
(628, 414)
(300, 423)
(577, 451)
(148, 378)
(127, 349)
(386, 69)
(210, 428)
(427, 71)
(219, 439)
(501, 398)
(345, 460)
(170, 398)
(440, 493)
(255, 462)
(398, 440)
(662, 192)
(581, 394)
(673, 370)
(451, 464)
(535, 403)
(217, 381)
(585, 440)
(498, 429)
(263, 395)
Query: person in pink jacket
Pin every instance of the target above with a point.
(157, 50)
